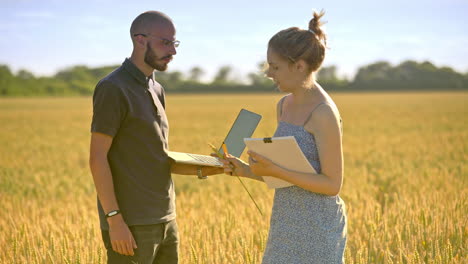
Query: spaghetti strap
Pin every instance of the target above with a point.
(281, 106)
(313, 110)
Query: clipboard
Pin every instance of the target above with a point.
(283, 151)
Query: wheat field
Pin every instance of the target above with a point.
(405, 184)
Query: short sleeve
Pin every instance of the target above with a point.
(109, 109)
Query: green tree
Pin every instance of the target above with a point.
(378, 71)
(6, 80)
(222, 77)
(259, 80)
(327, 74)
(25, 75)
(196, 74)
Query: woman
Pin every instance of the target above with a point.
(308, 221)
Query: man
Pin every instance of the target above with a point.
(128, 153)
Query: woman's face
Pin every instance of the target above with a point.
(284, 74)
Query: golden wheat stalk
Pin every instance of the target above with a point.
(233, 170)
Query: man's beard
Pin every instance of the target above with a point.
(152, 59)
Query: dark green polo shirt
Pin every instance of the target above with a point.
(130, 107)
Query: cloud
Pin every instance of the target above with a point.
(94, 20)
(34, 15)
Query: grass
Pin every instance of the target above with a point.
(405, 181)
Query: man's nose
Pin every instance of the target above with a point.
(173, 50)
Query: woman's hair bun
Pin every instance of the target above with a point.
(315, 26)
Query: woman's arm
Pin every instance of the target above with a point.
(236, 167)
(326, 130)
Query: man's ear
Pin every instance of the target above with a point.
(140, 40)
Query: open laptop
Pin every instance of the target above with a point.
(243, 127)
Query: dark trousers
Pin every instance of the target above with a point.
(157, 244)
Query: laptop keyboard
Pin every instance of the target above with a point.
(206, 159)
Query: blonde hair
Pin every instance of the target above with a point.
(294, 44)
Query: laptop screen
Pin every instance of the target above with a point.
(243, 127)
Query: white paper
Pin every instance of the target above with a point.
(283, 151)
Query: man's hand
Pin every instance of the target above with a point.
(234, 166)
(121, 238)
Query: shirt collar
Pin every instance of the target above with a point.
(136, 73)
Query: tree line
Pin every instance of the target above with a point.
(378, 76)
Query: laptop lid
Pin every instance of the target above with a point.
(243, 127)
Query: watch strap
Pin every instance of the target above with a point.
(200, 174)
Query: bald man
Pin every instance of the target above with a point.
(128, 154)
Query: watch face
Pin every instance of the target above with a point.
(112, 213)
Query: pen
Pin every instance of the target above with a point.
(226, 153)
(218, 153)
(225, 149)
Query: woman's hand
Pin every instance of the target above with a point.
(260, 165)
(234, 166)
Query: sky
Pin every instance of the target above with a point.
(45, 36)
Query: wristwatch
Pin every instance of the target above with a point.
(112, 213)
(200, 174)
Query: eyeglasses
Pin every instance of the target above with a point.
(165, 42)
